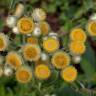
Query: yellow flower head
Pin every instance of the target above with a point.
(31, 52)
(42, 72)
(91, 27)
(4, 41)
(77, 47)
(25, 25)
(39, 14)
(51, 44)
(24, 74)
(69, 74)
(32, 40)
(78, 34)
(44, 26)
(60, 59)
(14, 60)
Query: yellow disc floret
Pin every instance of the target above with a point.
(60, 59)
(91, 27)
(42, 72)
(24, 74)
(78, 34)
(51, 44)
(44, 26)
(69, 74)
(3, 42)
(14, 60)
(32, 40)
(77, 47)
(31, 52)
(25, 25)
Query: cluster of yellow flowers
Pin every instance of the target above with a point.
(78, 38)
(42, 47)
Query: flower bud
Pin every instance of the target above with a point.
(15, 30)
(76, 59)
(19, 10)
(11, 21)
(8, 71)
(37, 32)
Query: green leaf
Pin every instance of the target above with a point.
(88, 62)
(32, 94)
(33, 1)
(65, 41)
(10, 94)
(2, 90)
(51, 8)
(87, 67)
(88, 4)
(67, 91)
(90, 55)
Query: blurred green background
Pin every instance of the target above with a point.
(62, 15)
